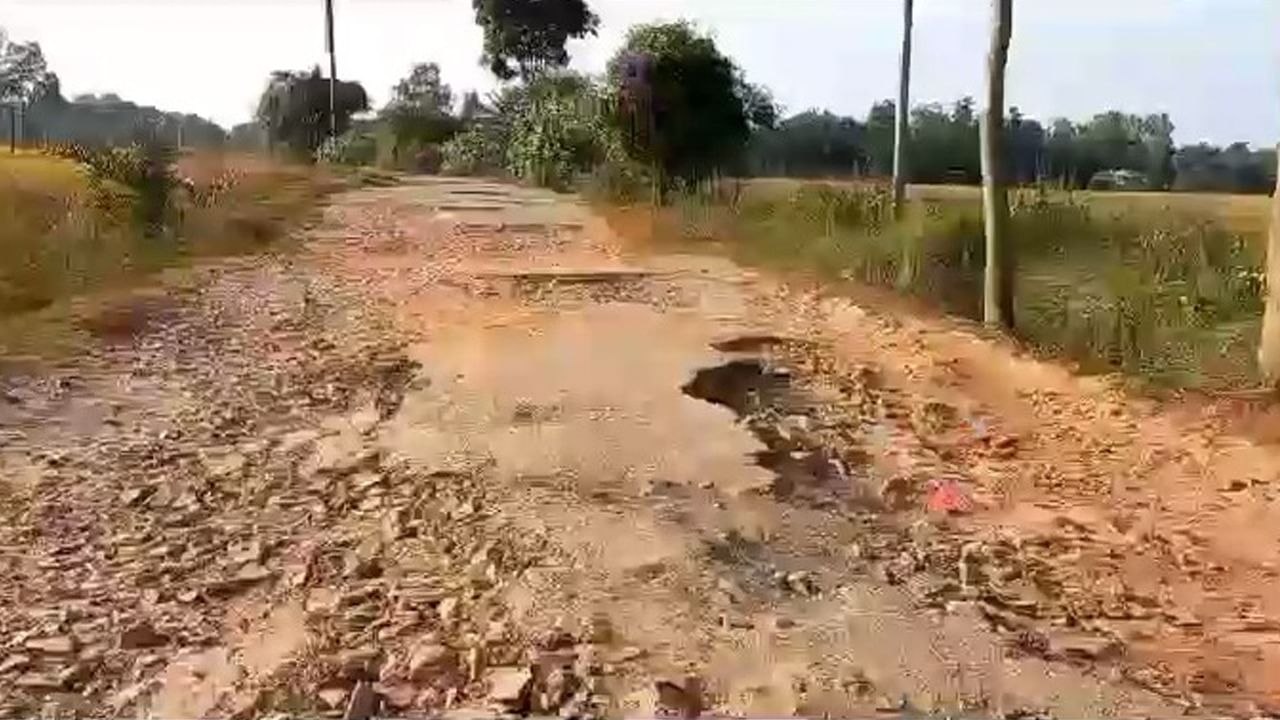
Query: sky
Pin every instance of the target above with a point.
(1213, 65)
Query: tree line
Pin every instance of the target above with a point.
(36, 111)
(942, 147)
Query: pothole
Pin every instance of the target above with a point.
(797, 430)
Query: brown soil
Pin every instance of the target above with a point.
(470, 450)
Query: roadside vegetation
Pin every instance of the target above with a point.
(1122, 250)
(1125, 252)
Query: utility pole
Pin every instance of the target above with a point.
(901, 128)
(333, 68)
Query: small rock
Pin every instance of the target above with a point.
(252, 573)
(685, 700)
(509, 686)
(363, 703)
(15, 662)
(57, 645)
(142, 635)
(136, 496)
(1084, 646)
(475, 663)
(362, 663)
(397, 695)
(896, 492)
(447, 610)
(39, 682)
(333, 697)
(429, 659)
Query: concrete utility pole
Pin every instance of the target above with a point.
(903, 110)
(333, 68)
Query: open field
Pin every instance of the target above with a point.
(1242, 213)
(66, 235)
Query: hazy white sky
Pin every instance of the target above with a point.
(1214, 65)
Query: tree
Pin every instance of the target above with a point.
(1269, 348)
(810, 144)
(682, 106)
(882, 120)
(997, 308)
(525, 37)
(294, 109)
(420, 112)
(24, 79)
(904, 102)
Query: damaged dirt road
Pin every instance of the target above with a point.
(467, 451)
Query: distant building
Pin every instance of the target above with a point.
(1119, 180)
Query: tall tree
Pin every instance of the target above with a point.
(24, 79)
(684, 108)
(997, 307)
(294, 109)
(524, 37)
(1269, 348)
(904, 102)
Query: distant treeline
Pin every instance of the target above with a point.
(107, 120)
(943, 148)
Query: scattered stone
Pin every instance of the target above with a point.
(397, 695)
(333, 696)
(1084, 646)
(896, 492)
(134, 497)
(362, 663)
(39, 682)
(142, 635)
(429, 659)
(363, 703)
(447, 610)
(684, 700)
(509, 687)
(15, 662)
(475, 663)
(57, 645)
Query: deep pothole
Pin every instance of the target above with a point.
(797, 428)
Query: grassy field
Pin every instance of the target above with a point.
(1164, 287)
(66, 234)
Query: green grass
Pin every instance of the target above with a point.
(1163, 287)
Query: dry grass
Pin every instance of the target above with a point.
(1163, 287)
(66, 239)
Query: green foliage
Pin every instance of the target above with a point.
(810, 144)
(525, 37)
(420, 118)
(294, 109)
(145, 168)
(357, 146)
(475, 151)
(943, 148)
(545, 132)
(682, 106)
(559, 132)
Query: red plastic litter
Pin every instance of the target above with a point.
(947, 496)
